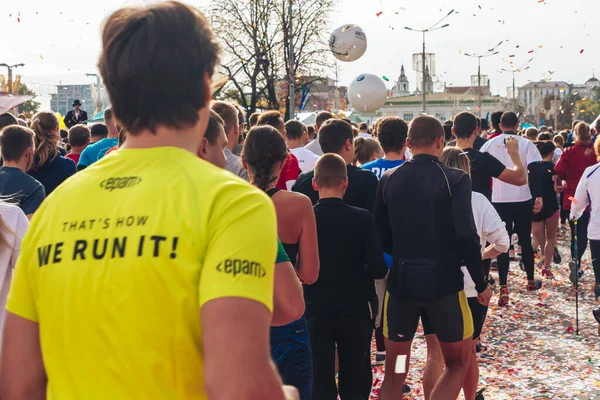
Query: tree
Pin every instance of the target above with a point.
(29, 107)
(255, 38)
(587, 110)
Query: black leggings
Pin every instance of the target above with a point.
(582, 239)
(353, 339)
(595, 248)
(517, 217)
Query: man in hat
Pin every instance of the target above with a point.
(75, 116)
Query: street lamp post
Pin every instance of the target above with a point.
(10, 74)
(489, 53)
(291, 76)
(435, 27)
(523, 67)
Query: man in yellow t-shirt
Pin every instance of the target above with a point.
(149, 275)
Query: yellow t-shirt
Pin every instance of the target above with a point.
(118, 262)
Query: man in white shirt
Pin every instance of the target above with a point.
(296, 134)
(363, 131)
(586, 195)
(514, 203)
(229, 113)
(314, 145)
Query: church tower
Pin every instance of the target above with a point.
(401, 87)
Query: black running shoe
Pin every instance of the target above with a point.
(556, 257)
(479, 348)
(479, 395)
(406, 389)
(596, 313)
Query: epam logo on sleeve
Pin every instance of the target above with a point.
(244, 267)
(124, 182)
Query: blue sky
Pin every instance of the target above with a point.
(59, 40)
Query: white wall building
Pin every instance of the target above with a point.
(443, 106)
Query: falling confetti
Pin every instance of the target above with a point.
(385, 78)
(42, 57)
(573, 200)
(581, 52)
(379, 13)
(18, 19)
(530, 51)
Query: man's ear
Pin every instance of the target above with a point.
(349, 144)
(315, 185)
(203, 144)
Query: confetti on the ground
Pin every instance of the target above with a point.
(531, 352)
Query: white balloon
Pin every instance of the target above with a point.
(348, 43)
(367, 93)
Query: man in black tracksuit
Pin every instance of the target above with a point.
(424, 214)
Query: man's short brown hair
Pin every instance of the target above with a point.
(79, 135)
(330, 171)
(7, 119)
(228, 112)
(294, 129)
(154, 62)
(253, 119)
(322, 117)
(334, 134)
(272, 118)
(14, 140)
(424, 130)
(213, 129)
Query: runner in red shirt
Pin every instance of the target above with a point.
(291, 168)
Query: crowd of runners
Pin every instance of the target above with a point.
(180, 250)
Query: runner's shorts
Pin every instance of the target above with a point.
(478, 312)
(449, 317)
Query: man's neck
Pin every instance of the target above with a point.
(424, 151)
(395, 155)
(97, 139)
(77, 150)
(331, 193)
(15, 164)
(509, 130)
(187, 139)
(465, 143)
(294, 144)
(231, 141)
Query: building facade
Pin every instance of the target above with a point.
(62, 100)
(443, 106)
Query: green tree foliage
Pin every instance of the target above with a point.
(29, 107)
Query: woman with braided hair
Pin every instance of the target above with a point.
(49, 166)
(264, 156)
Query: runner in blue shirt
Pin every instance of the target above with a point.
(392, 137)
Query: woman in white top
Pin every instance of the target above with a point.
(491, 229)
(13, 225)
(588, 194)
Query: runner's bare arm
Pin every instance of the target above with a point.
(237, 361)
(518, 175)
(307, 264)
(22, 372)
(288, 296)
